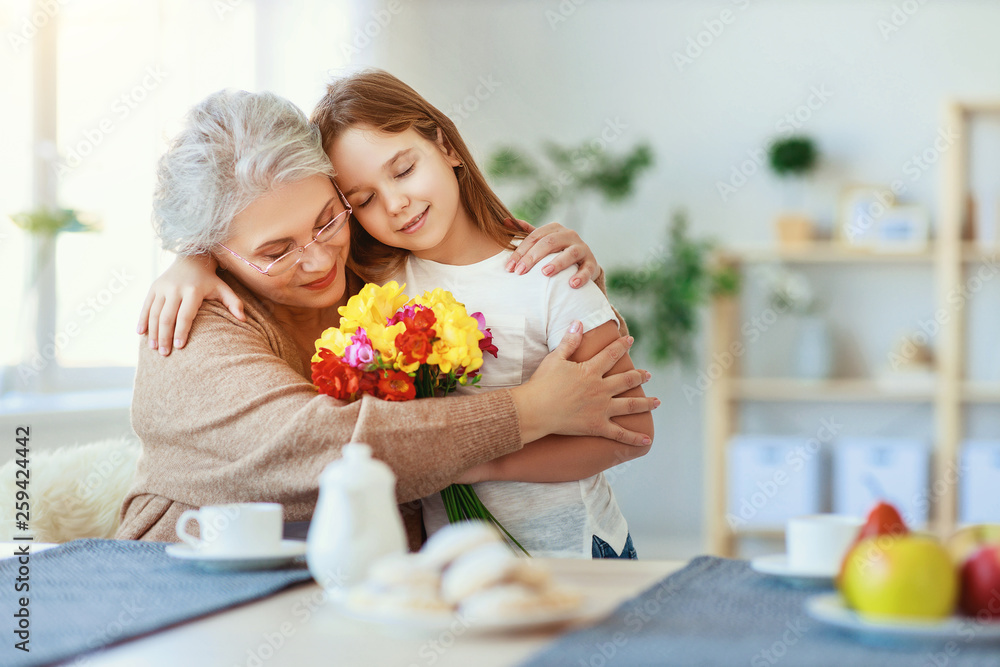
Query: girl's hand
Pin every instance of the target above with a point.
(548, 239)
(574, 398)
(175, 297)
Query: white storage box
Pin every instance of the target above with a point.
(772, 479)
(980, 475)
(869, 470)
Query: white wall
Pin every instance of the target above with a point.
(564, 79)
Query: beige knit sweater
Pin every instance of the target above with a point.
(232, 417)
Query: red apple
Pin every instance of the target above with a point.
(980, 584)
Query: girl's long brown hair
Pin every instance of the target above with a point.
(376, 98)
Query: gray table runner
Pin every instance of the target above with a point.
(720, 612)
(87, 594)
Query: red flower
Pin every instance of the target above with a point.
(486, 343)
(335, 378)
(415, 346)
(415, 341)
(395, 386)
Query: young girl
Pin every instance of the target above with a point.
(425, 216)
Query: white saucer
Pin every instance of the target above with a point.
(776, 565)
(830, 608)
(286, 552)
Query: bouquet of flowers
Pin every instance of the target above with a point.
(396, 348)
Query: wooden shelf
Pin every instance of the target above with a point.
(821, 252)
(981, 392)
(973, 252)
(841, 391)
(952, 261)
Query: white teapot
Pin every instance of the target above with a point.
(356, 519)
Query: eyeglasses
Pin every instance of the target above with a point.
(288, 261)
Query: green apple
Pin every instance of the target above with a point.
(903, 575)
(965, 541)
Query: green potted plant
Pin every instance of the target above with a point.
(792, 159)
(569, 173)
(43, 226)
(664, 296)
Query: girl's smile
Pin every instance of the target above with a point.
(405, 193)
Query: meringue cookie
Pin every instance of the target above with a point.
(456, 539)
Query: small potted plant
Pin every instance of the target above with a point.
(43, 226)
(792, 159)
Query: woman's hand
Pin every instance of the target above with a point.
(175, 297)
(548, 239)
(574, 398)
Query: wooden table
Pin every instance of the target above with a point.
(298, 627)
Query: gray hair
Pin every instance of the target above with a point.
(234, 148)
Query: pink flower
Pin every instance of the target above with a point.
(486, 344)
(359, 354)
(404, 313)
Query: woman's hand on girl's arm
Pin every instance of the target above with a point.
(573, 398)
(548, 239)
(175, 297)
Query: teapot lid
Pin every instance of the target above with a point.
(356, 467)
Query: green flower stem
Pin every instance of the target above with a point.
(462, 504)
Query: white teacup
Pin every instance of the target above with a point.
(245, 529)
(818, 542)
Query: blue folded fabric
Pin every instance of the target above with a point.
(720, 612)
(87, 594)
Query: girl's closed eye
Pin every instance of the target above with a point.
(406, 172)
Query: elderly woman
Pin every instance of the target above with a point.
(233, 417)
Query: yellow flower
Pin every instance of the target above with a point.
(458, 334)
(373, 305)
(334, 340)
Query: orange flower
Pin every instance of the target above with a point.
(395, 386)
(335, 378)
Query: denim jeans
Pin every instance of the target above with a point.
(602, 549)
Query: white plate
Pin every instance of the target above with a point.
(777, 566)
(456, 622)
(286, 552)
(830, 608)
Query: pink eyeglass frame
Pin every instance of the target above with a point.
(347, 212)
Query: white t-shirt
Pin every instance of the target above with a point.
(528, 316)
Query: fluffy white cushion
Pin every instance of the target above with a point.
(75, 491)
